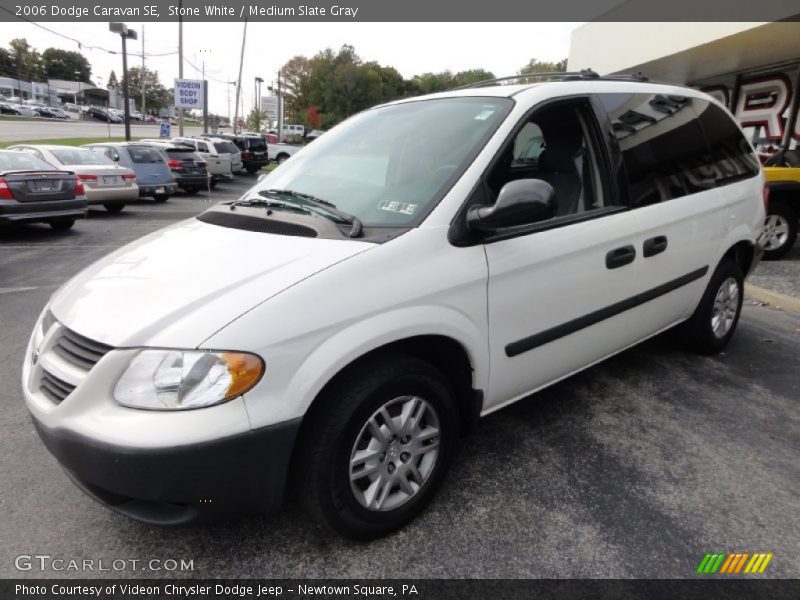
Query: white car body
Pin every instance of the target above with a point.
(312, 306)
(281, 152)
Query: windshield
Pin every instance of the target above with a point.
(389, 165)
(22, 161)
(79, 156)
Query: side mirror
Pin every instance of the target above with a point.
(519, 202)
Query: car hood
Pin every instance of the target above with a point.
(178, 286)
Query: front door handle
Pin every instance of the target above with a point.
(619, 257)
(655, 245)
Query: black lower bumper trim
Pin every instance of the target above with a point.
(174, 485)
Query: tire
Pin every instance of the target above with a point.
(212, 185)
(160, 197)
(282, 158)
(337, 430)
(714, 321)
(62, 224)
(780, 230)
(114, 207)
(252, 170)
(191, 190)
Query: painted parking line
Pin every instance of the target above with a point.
(11, 290)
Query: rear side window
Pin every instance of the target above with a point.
(662, 145)
(143, 154)
(732, 158)
(226, 147)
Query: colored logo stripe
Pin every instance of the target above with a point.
(732, 563)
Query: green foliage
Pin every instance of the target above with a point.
(113, 82)
(537, 66)
(339, 84)
(156, 95)
(65, 64)
(27, 61)
(256, 120)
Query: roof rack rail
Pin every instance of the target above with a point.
(582, 75)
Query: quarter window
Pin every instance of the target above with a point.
(732, 158)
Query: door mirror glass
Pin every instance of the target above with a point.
(519, 202)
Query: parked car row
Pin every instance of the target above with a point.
(33, 110)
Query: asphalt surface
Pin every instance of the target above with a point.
(45, 129)
(634, 468)
(780, 275)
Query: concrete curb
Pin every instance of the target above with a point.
(776, 299)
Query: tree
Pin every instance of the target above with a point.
(313, 120)
(256, 119)
(537, 66)
(112, 80)
(294, 86)
(8, 67)
(65, 64)
(156, 95)
(27, 61)
(471, 76)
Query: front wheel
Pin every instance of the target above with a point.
(714, 321)
(780, 231)
(378, 447)
(114, 207)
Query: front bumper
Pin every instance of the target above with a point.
(178, 484)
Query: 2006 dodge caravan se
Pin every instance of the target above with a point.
(426, 262)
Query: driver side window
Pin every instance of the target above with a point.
(556, 145)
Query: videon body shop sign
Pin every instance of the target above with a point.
(189, 93)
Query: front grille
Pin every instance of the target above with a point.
(78, 350)
(54, 388)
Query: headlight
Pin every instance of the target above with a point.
(185, 379)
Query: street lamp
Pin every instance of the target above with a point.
(259, 81)
(126, 34)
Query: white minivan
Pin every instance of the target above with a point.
(334, 331)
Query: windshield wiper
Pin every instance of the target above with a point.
(356, 227)
(270, 204)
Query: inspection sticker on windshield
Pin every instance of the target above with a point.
(403, 208)
(483, 115)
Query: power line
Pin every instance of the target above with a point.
(81, 45)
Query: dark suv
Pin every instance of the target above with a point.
(188, 168)
(253, 148)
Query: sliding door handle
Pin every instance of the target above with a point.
(619, 257)
(655, 245)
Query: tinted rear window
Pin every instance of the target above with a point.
(180, 154)
(257, 144)
(731, 156)
(226, 147)
(22, 161)
(143, 154)
(662, 144)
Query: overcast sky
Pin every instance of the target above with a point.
(411, 48)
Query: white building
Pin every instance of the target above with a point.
(753, 68)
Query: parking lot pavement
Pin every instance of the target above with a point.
(781, 276)
(634, 468)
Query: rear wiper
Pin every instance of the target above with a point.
(356, 226)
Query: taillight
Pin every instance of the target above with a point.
(202, 165)
(765, 194)
(5, 191)
(174, 164)
(247, 155)
(129, 177)
(84, 177)
(79, 191)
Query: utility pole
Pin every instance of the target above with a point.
(126, 34)
(205, 99)
(259, 81)
(180, 61)
(143, 78)
(280, 110)
(239, 81)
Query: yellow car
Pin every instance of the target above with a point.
(782, 173)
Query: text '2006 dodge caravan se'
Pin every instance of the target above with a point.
(335, 330)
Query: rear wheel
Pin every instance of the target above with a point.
(714, 321)
(282, 158)
(191, 190)
(62, 224)
(377, 447)
(114, 207)
(252, 170)
(160, 197)
(780, 230)
(212, 184)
